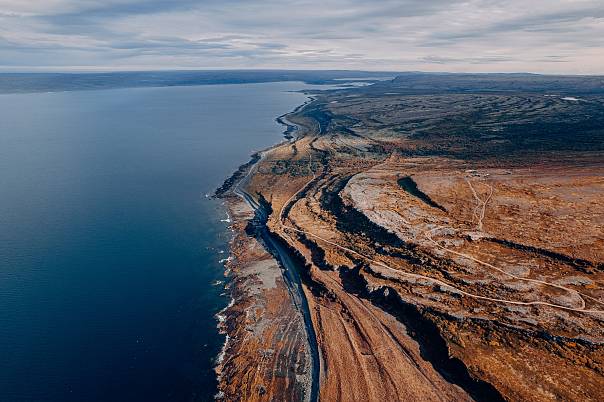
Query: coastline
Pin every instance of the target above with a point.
(264, 324)
(291, 127)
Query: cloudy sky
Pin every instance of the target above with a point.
(551, 36)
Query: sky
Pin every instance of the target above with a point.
(541, 36)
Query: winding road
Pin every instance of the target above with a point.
(291, 278)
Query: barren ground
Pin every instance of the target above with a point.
(451, 248)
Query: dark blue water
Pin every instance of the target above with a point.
(108, 247)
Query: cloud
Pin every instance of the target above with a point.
(556, 36)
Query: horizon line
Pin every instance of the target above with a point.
(95, 70)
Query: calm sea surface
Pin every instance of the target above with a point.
(108, 248)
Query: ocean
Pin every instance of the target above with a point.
(110, 277)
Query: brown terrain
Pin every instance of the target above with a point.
(425, 242)
(267, 347)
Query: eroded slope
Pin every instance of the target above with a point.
(450, 242)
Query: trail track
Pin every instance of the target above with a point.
(581, 309)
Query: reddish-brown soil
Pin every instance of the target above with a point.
(429, 275)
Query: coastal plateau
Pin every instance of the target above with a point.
(427, 238)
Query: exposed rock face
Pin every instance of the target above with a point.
(267, 351)
(442, 256)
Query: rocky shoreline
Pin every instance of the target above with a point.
(266, 351)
